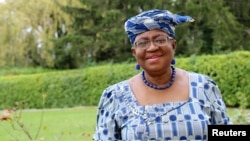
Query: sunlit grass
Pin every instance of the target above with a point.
(239, 116)
(71, 124)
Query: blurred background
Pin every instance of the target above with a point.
(68, 34)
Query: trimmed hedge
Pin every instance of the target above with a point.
(83, 87)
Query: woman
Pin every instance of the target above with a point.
(162, 102)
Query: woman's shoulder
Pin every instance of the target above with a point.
(208, 89)
(113, 94)
(196, 78)
(117, 87)
(201, 78)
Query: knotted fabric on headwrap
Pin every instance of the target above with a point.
(154, 19)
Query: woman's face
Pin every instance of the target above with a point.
(154, 50)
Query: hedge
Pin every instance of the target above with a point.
(83, 87)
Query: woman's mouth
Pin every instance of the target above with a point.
(153, 59)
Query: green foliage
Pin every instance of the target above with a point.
(10, 71)
(230, 72)
(65, 34)
(27, 37)
(84, 86)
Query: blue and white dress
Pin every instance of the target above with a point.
(120, 117)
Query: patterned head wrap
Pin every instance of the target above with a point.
(154, 19)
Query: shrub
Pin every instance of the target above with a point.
(83, 87)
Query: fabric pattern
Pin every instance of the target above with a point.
(154, 19)
(120, 117)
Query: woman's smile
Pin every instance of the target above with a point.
(154, 58)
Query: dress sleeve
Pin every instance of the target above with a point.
(218, 110)
(106, 126)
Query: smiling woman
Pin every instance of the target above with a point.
(162, 102)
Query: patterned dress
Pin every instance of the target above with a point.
(121, 117)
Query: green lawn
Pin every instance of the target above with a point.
(70, 124)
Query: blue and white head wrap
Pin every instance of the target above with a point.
(154, 19)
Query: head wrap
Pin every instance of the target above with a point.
(154, 19)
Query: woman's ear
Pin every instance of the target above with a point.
(174, 44)
(133, 51)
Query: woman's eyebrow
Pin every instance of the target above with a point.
(153, 37)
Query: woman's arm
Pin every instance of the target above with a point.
(218, 109)
(106, 126)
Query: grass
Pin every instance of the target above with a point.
(71, 124)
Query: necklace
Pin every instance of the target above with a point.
(170, 83)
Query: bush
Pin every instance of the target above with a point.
(83, 87)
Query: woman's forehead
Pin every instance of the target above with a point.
(151, 34)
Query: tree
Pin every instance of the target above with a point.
(27, 37)
(214, 31)
(95, 33)
(241, 9)
(68, 34)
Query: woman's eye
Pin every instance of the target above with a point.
(142, 43)
(160, 41)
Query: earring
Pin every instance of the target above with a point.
(137, 67)
(173, 62)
